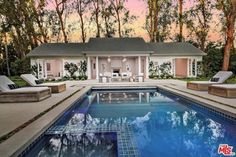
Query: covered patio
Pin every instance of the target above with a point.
(117, 66)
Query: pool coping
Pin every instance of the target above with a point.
(21, 140)
(222, 109)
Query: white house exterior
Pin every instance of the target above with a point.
(116, 55)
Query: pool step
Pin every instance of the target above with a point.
(127, 146)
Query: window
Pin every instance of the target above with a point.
(48, 67)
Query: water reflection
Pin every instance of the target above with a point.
(163, 125)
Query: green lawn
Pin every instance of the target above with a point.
(18, 80)
(229, 81)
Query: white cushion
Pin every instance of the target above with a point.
(227, 86)
(29, 78)
(223, 76)
(4, 82)
(28, 89)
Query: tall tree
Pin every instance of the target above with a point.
(228, 7)
(107, 15)
(180, 5)
(38, 7)
(96, 10)
(60, 7)
(81, 6)
(198, 20)
(159, 19)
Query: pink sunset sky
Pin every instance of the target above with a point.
(139, 8)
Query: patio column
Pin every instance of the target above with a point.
(89, 67)
(147, 67)
(196, 68)
(139, 65)
(97, 75)
(37, 62)
(45, 69)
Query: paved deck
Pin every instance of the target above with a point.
(13, 115)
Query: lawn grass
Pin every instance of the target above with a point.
(231, 80)
(18, 80)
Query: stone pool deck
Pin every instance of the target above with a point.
(29, 117)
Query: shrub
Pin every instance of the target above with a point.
(21, 66)
(71, 68)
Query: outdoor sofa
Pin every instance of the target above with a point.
(219, 78)
(223, 90)
(10, 92)
(33, 81)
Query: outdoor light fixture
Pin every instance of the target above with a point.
(109, 59)
(124, 60)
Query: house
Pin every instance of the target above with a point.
(116, 55)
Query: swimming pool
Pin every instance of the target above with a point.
(139, 122)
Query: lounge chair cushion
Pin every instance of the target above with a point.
(226, 86)
(204, 82)
(223, 76)
(30, 79)
(28, 89)
(4, 82)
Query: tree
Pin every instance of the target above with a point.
(180, 4)
(81, 6)
(228, 7)
(107, 14)
(158, 19)
(38, 7)
(60, 7)
(95, 14)
(198, 20)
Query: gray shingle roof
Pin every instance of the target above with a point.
(116, 46)
(175, 49)
(58, 49)
(136, 45)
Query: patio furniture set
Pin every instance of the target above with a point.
(120, 77)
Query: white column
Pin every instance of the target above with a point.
(196, 68)
(173, 66)
(139, 65)
(89, 67)
(97, 71)
(38, 67)
(45, 69)
(147, 67)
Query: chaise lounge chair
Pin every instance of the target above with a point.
(219, 78)
(33, 81)
(224, 90)
(9, 92)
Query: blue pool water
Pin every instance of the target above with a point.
(145, 123)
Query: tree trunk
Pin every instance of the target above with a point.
(180, 20)
(151, 20)
(7, 58)
(82, 27)
(119, 25)
(155, 20)
(63, 29)
(97, 23)
(230, 40)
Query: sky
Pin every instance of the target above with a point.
(139, 9)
